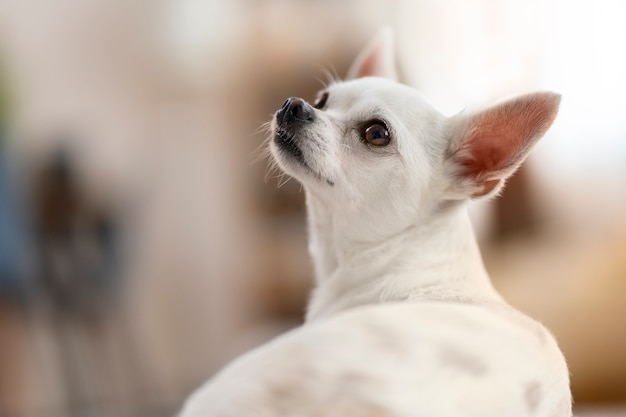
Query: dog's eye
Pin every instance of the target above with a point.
(377, 134)
(320, 103)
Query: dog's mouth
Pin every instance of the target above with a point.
(287, 143)
(288, 146)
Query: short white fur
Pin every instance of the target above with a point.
(403, 320)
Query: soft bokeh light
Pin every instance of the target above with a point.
(141, 248)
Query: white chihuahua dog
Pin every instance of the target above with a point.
(404, 321)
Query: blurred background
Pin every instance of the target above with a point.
(141, 248)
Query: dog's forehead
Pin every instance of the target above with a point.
(379, 92)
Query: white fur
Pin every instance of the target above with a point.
(404, 320)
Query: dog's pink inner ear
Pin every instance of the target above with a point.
(373, 64)
(493, 143)
(376, 59)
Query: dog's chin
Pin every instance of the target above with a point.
(292, 160)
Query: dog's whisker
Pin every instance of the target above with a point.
(333, 75)
(261, 152)
(264, 127)
(272, 170)
(274, 173)
(322, 81)
(348, 147)
(284, 180)
(327, 76)
(330, 76)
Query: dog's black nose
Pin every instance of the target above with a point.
(295, 108)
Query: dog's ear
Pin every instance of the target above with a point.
(487, 147)
(377, 59)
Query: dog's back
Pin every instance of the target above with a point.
(423, 359)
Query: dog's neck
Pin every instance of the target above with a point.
(435, 261)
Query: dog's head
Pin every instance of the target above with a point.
(378, 146)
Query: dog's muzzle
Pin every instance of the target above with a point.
(292, 118)
(294, 115)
